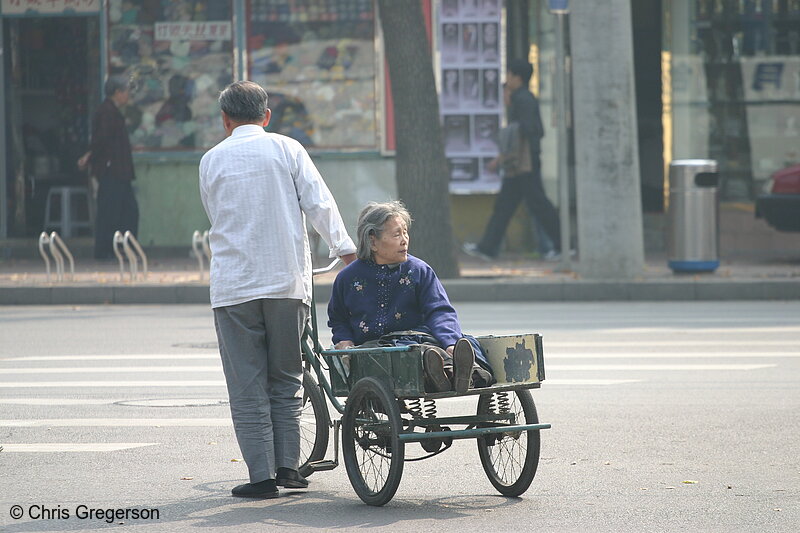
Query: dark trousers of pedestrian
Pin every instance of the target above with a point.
(259, 343)
(117, 210)
(515, 189)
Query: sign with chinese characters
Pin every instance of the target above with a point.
(470, 98)
(193, 31)
(21, 7)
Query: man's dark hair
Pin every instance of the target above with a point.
(116, 82)
(244, 101)
(521, 68)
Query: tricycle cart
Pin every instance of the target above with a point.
(386, 407)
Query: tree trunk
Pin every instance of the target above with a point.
(421, 167)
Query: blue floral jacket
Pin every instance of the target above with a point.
(371, 300)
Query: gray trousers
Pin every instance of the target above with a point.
(259, 342)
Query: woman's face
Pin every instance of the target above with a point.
(392, 246)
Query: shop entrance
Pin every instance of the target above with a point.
(51, 74)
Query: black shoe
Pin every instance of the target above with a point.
(463, 360)
(434, 370)
(290, 479)
(262, 489)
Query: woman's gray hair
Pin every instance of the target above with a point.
(371, 221)
(244, 101)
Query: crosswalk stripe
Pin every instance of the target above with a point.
(110, 369)
(120, 357)
(116, 422)
(55, 401)
(602, 368)
(202, 369)
(121, 422)
(102, 384)
(661, 343)
(39, 447)
(561, 382)
(665, 355)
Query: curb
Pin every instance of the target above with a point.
(459, 290)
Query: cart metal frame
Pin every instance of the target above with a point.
(386, 407)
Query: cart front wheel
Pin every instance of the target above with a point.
(510, 459)
(314, 425)
(373, 453)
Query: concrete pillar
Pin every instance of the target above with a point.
(610, 235)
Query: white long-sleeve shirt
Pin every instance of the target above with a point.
(256, 187)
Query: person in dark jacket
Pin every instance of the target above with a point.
(522, 107)
(111, 162)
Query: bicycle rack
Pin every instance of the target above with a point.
(201, 250)
(133, 252)
(207, 248)
(43, 240)
(129, 240)
(58, 249)
(118, 240)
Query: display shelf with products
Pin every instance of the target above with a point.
(179, 55)
(317, 60)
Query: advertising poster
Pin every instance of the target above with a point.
(470, 91)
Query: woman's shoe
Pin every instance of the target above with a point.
(434, 370)
(463, 360)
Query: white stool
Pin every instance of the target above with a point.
(69, 212)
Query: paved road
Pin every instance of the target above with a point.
(666, 417)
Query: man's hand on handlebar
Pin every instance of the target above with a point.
(348, 258)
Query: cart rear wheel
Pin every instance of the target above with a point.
(373, 453)
(314, 425)
(510, 459)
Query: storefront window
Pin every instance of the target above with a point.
(316, 59)
(735, 87)
(179, 55)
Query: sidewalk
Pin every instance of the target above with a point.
(178, 280)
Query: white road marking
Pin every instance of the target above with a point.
(188, 369)
(119, 357)
(73, 446)
(110, 369)
(123, 422)
(659, 343)
(663, 355)
(549, 382)
(102, 384)
(167, 402)
(55, 401)
(654, 367)
(116, 422)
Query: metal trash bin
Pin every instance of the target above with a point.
(693, 216)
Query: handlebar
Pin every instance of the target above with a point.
(328, 268)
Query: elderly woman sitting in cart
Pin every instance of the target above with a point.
(388, 297)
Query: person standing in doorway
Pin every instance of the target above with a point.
(521, 107)
(111, 163)
(257, 188)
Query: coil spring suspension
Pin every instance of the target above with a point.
(429, 409)
(503, 403)
(414, 407)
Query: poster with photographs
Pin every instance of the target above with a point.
(469, 41)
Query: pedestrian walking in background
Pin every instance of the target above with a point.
(257, 188)
(523, 181)
(111, 163)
